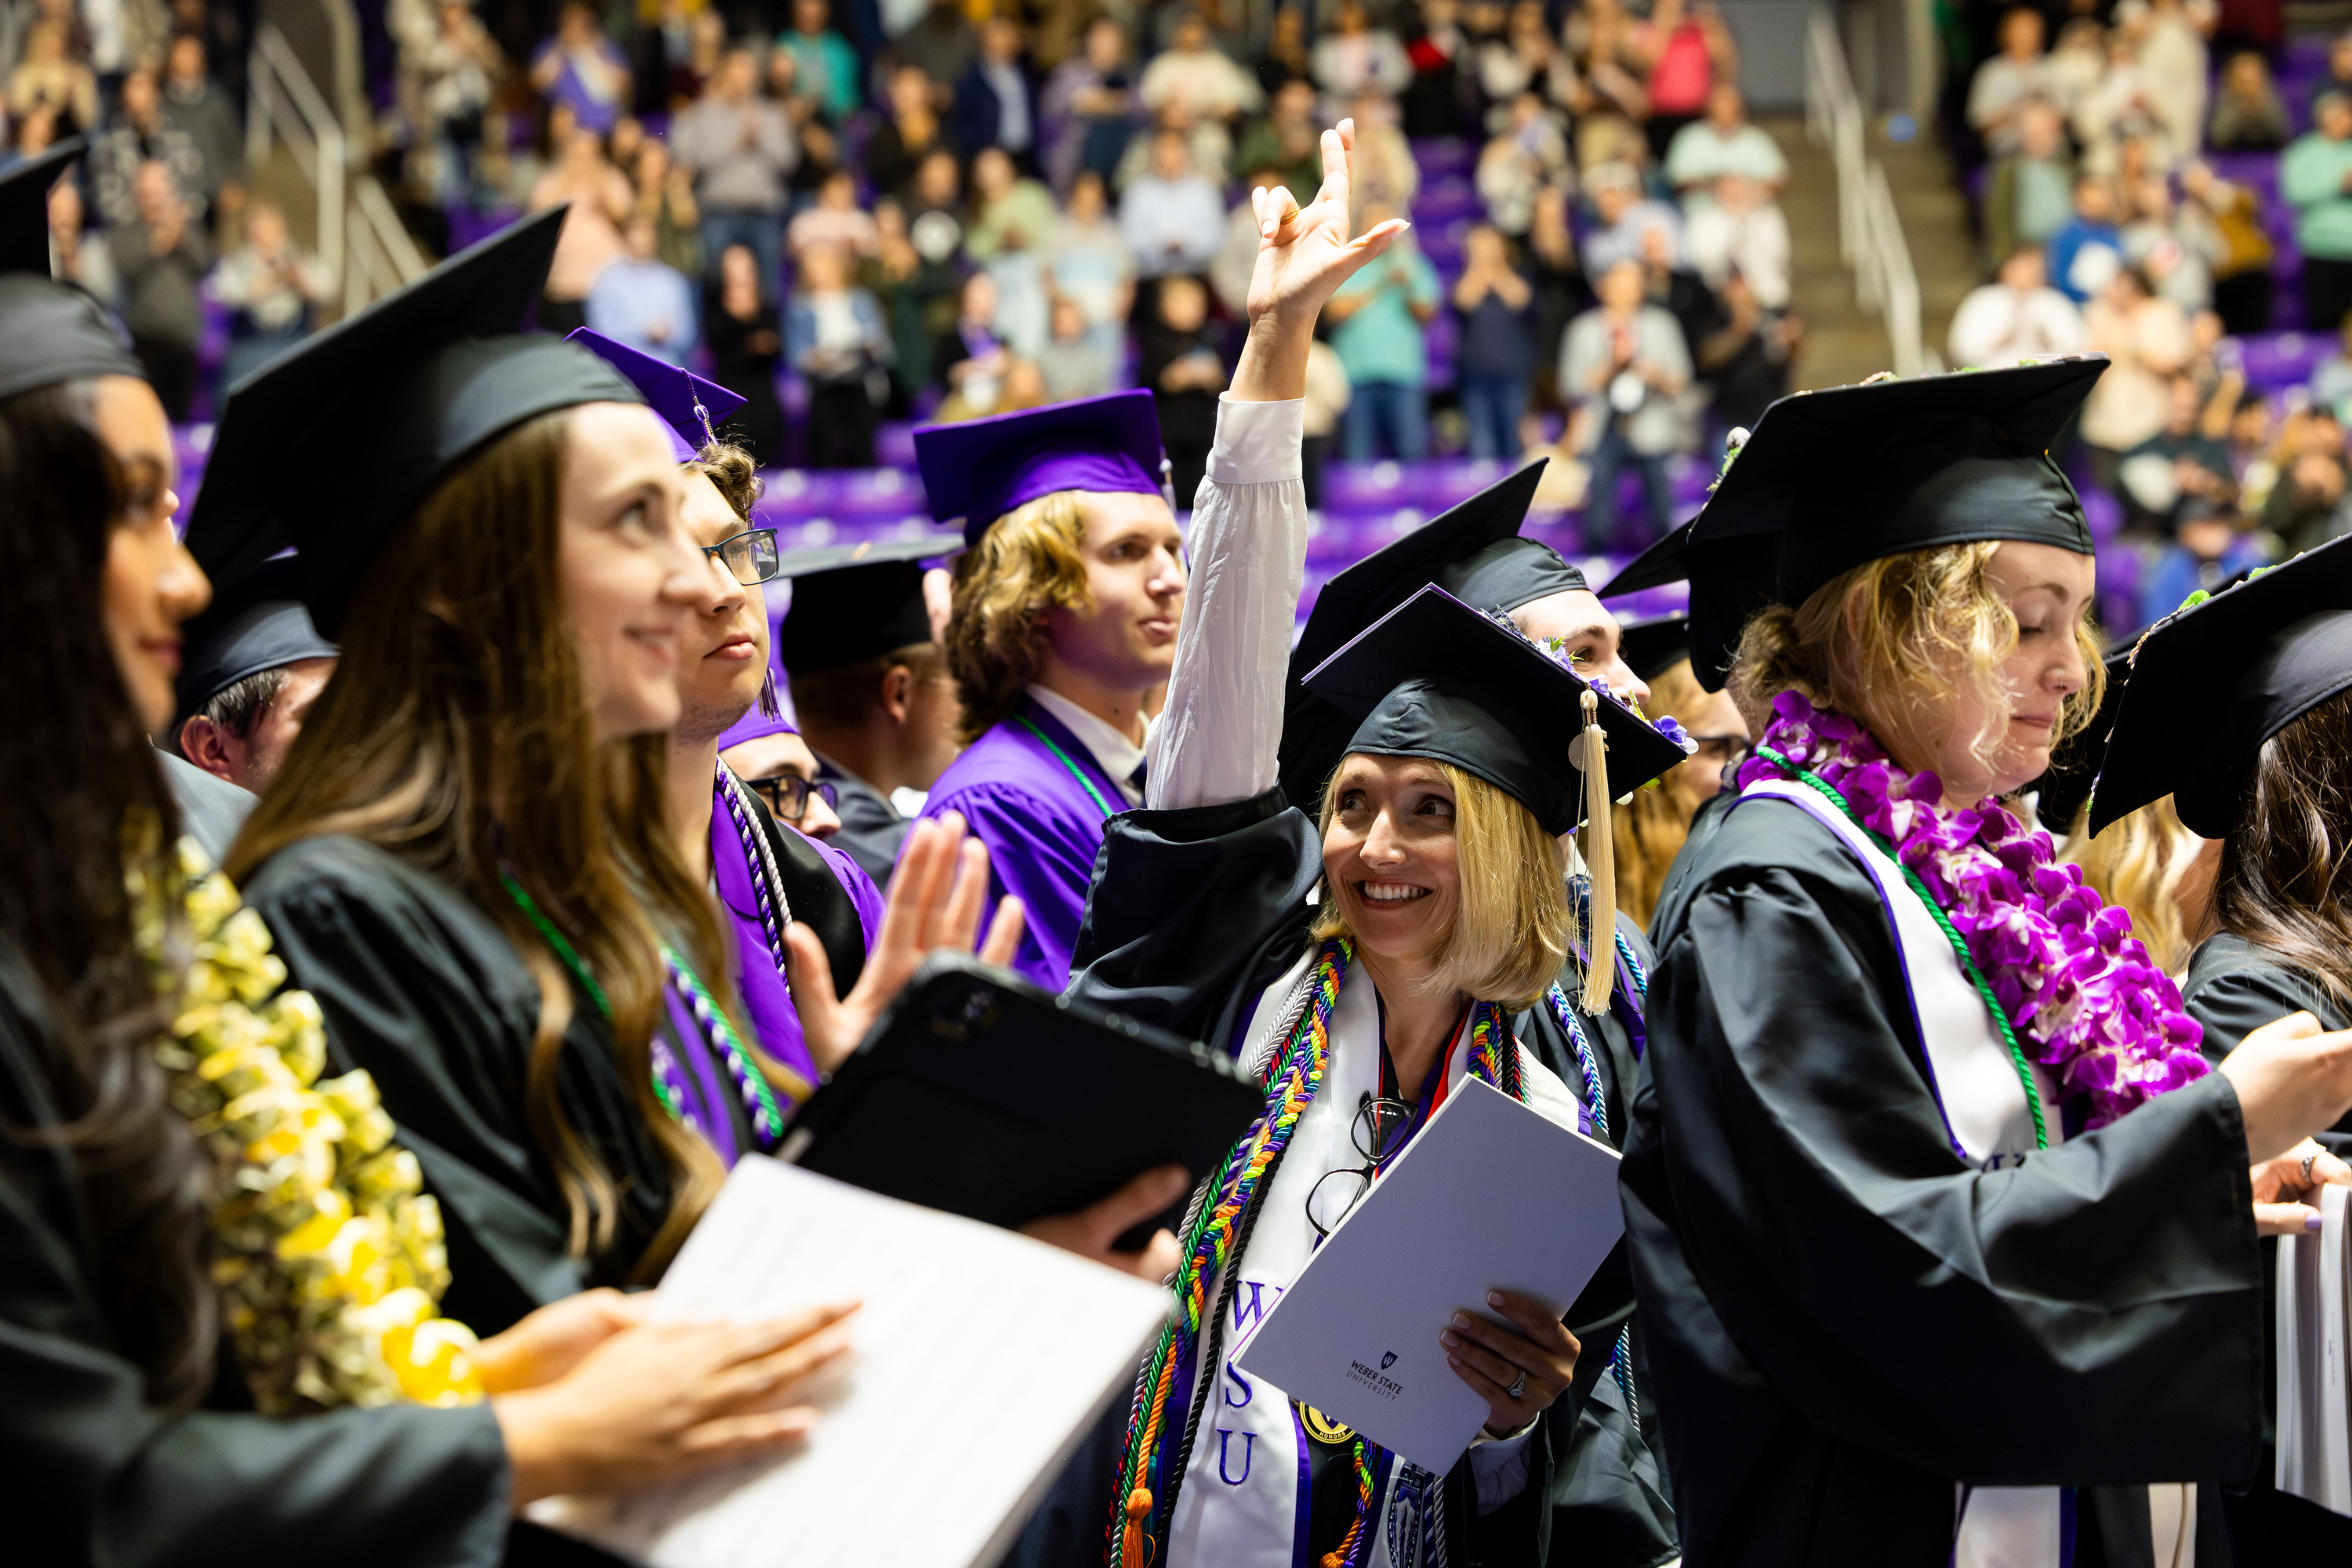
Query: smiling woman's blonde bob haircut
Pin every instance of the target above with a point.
(1509, 936)
(1901, 644)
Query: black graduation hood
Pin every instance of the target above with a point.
(330, 446)
(857, 601)
(1832, 479)
(1435, 679)
(1473, 551)
(49, 332)
(2211, 683)
(254, 624)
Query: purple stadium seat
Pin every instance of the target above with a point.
(796, 494)
(1438, 156)
(883, 494)
(894, 443)
(2276, 360)
(2102, 512)
(1450, 481)
(1443, 201)
(1352, 487)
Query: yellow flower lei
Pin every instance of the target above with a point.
(327, 1252)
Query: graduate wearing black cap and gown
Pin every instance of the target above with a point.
(1199, 920)
(1883, 1327)
(419, 986)
(852, 603)
(2210, 688)
(1475, 552)
(95, 1471)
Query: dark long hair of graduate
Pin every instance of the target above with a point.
(2286, 883)
(457, 735)
(82, 792)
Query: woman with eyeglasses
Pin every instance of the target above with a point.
(1362, 966)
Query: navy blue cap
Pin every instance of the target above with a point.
(49, 332)
(254, 624)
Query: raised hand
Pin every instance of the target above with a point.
(937, 896)
(1304, 255)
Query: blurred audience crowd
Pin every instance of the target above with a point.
(2151, 184)
(860, 210)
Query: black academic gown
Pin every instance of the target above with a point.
(2234, 988)
(1610, 1495)
(1191, 915)
(91, 1475)
(1842, 1318)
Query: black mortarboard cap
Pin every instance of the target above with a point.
(254, 624)
(2210, 684)
(332, 445)
(2063, 788)
(857, 601)
(49, 332)
(1473, 551)
(1834, 479)
(1436, 679)
(1654, 646)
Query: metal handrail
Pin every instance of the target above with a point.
(283, 103)
(383, 255)
(1870, 228)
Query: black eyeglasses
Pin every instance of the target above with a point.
(1378, 1132)
(750, 556)
(787, 794)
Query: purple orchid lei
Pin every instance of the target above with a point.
(2080, 990)
(1556, 650)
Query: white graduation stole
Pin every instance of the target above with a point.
(1243, 1500)
(1975, 1084)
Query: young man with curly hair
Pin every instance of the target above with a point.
(1062, 622)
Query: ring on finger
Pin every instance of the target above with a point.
(1518, 1388)
(2307, 1159)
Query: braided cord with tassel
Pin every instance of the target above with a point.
(1292, 1079)
(1598, 848)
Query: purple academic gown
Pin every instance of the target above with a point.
(758, 980)
(1041, 825)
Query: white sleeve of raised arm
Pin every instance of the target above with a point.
(1215, 739)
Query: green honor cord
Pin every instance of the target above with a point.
(1944, 923)
(1083, 782)
(699, 1001)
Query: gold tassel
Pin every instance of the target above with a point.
(1131, 1547)
(1600, 862)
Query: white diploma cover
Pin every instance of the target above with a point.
(1491, 1194)
(2315, 1416)
(980, 1358)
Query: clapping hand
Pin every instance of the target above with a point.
(936, 897)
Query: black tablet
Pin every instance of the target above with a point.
(987, 1097)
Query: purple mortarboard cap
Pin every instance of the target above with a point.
(979, 469)
(691, 406)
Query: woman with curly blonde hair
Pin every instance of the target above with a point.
(1937, 1218)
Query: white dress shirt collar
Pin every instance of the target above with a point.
(1118, 755)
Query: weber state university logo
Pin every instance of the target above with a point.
(1388, 1360)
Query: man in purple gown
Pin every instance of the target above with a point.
(1062, 626)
